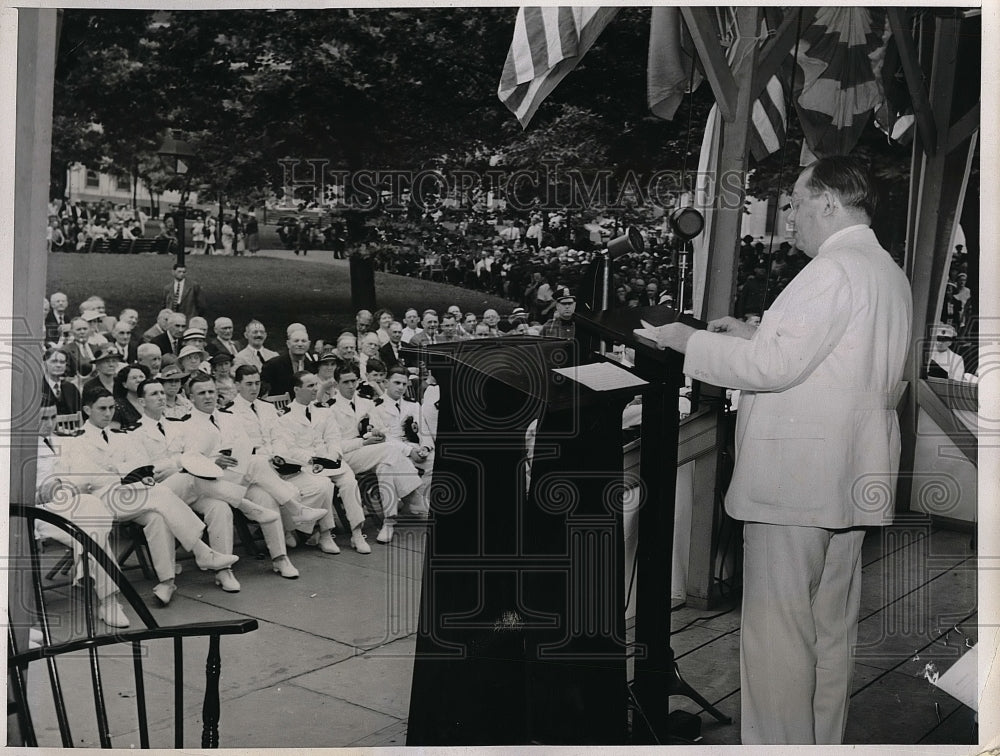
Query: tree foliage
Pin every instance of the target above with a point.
(400, 88)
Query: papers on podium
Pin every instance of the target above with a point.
(601, 376)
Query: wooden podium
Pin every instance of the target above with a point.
(521, 635)
(522, 615)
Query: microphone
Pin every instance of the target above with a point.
(630, 241)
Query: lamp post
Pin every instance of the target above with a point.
(178, 155)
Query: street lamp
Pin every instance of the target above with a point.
(178, 155)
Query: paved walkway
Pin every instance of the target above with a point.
(324, 256)
(329, 666)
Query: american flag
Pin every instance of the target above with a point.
(548, 43)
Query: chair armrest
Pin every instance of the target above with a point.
(190, 630)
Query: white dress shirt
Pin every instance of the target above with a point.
(250, 356)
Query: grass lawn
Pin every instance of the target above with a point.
(277, 292)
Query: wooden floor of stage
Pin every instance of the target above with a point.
(331, 663)
(918, 615)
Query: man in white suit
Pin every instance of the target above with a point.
(314, 438)
(364, 447)
(817, 452)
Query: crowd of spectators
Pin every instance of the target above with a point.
(521, 261)
(524, 264)
(157, 385)
(74, 225)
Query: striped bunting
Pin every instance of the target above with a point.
(548, 43)
(836, 88)
(768, 120)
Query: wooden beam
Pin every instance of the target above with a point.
(914, 79)
(780, 45)
(24, 333)
(727, 213)
(936, 199)
(963, 128)
(710, 53)
(938, 411)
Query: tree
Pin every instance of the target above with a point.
(370, 88)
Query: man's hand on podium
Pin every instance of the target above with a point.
(732, 327)
(668, 336)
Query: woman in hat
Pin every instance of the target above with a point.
(190, 360)
(106, 359)
(128, 411)
(225, 386)
(177, 406)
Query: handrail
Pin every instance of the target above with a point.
(189, 630)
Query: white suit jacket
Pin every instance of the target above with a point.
(817, 438)
(318, 436)
(347, 419)
(91, 464)
(261, 427)
(393, 417)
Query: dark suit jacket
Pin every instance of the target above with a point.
(69, 397)
(163, 342)
(387, 356)
(152, 332)
(278, 376)
(131, 355)
(52, 326)
(214, 346)
(78, 364)
(191, 303)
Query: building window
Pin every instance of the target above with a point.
(93, 179)
(124, 182)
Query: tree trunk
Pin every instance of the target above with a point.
(362, 282)
(135, 184)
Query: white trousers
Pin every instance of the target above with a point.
(273, 532)
(801, 598)
(347, 486)
(163, 517)
(397, 475)
(91, 515)
(211, 499)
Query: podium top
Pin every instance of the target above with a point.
(617, 325)
(527, 364)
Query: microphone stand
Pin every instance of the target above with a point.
(605, 290)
